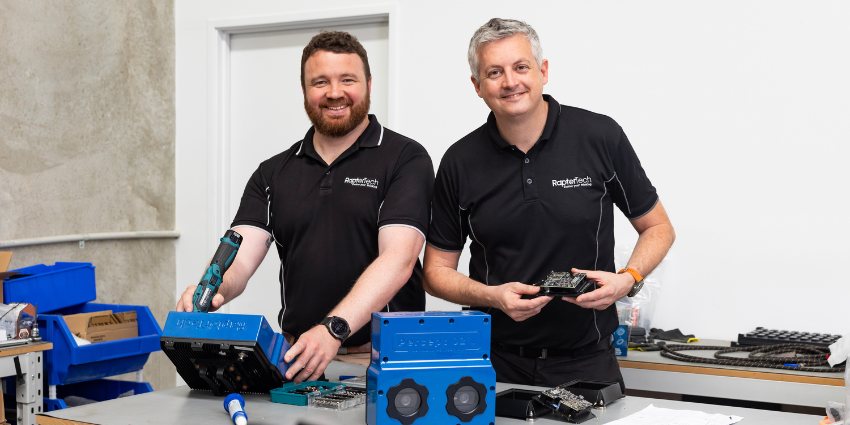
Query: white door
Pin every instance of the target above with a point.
(267, 117)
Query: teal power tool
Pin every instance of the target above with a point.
(221, 261)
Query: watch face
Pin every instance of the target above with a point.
(339, 326)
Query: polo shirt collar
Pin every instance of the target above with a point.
(370, 138)
(548, 129)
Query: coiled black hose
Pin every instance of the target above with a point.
(806, 358)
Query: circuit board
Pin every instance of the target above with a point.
(572, 407)
(564, 284)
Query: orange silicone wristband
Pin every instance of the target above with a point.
(632, 272)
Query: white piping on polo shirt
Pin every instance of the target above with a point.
(487, 272)
(282, 295)
(268, 206)
(299, 148)
(402, 225)
(381, 138)
(624, 193)
(596, 261)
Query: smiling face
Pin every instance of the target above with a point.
(509, 80)
(336, 92)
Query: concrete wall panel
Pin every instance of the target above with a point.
(87, 127)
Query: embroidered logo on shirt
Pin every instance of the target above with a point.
(573, 182)
(362, 181)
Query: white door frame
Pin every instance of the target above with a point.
(218, 72)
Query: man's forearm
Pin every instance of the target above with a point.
(374, 289)
(652, 245)
(451, 285)
(442, 280)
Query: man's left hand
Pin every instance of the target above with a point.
(314, 350)
(611, 287)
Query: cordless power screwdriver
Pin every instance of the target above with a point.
(221, 261)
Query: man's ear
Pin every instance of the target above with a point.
(369, 84)
(476, 84)
(544, 69)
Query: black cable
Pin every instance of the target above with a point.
(766, 356)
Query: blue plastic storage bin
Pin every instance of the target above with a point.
(52, 287)
(67, 363)
(97, 390)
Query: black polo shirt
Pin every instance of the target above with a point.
(549, 209)
(325, 219)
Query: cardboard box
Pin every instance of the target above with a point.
(102, 326)
(5, 259)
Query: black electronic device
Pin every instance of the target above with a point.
(764, 336)
(574, 408)
(598, 393)
(225, 353)
(520, 404)
(564, 284)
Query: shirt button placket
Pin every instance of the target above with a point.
(529, 191)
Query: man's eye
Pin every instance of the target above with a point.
(494, 73)
(523, 67)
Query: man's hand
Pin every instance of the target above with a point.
(314, 350)
(185, 303)
(507, 297)
(611, 287)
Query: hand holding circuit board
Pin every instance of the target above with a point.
(564, 284)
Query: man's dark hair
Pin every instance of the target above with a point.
(334, 42)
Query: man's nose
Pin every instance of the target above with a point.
(335, 91)
(510, 80)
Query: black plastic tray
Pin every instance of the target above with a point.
(600, 393)
(518, 404)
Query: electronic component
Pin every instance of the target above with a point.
(225, 353)
(564, 284)
(571, 407)
(763, 336)
(431, 368)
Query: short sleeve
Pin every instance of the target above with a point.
(254, 206)
(407, 201)
(447, 231)
(633, 193)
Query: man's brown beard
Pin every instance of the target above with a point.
(338, 127)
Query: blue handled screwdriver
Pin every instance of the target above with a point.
(211, 281)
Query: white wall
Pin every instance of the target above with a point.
(738, 110)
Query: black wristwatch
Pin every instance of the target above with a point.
(337, 326)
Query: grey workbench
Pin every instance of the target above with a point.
(182, 405)
(649, 371)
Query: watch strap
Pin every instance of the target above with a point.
(638, 280)
(632, 272)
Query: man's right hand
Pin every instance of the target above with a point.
(185, 303)
(508, 298)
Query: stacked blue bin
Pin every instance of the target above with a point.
(69, 288)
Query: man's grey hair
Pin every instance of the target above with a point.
(497, 29)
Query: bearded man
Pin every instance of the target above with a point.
(348, 208)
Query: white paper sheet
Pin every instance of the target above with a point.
(657, 416)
